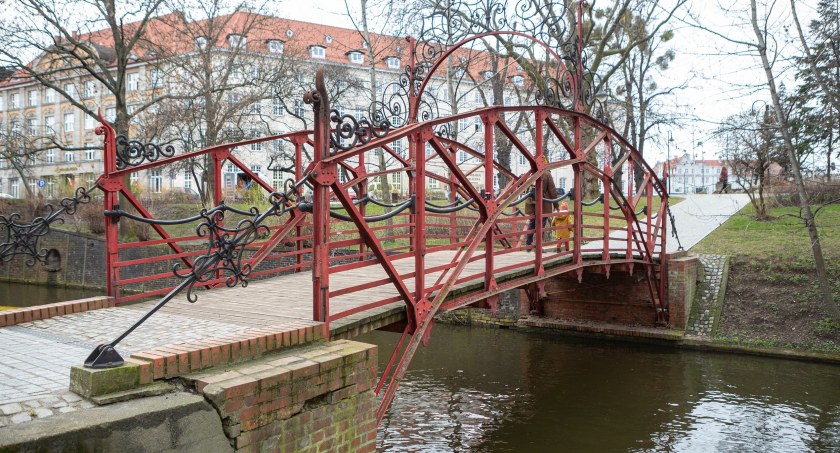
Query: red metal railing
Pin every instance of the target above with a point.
(337, 229)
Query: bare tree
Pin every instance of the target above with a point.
(60, 45)
(751, 145)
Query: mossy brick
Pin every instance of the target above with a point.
(89, 382)
(146, 373)
(302, 369)
(272, 377)
(239, 386)
(204, 381)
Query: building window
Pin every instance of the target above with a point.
(68, 156)
(562, 184)
(2, 107)
(237, 41)
(357, 58)
(69, 122)
(187, 178)
(111, 114)
(398, 146)
(462, 156)
(299, 108)
(522, 159)
(90, 89)
(200, 43)
(462, 125)
(275, 46)
(155, 180)
(392, 62)
(396, 178)
(14, 101)
(32, 98)
(277, 178)
(255, 146)
(318, 52)
(31, 126)
(51, 186)
(89, 122)
(133, 81)
(256, 108)
(154, 77)
(49, 95)
(518, 80)
(70, 89)
(50, 156)
(90, 154)
(14, 188)
(277, 106)
(256, 169)
(14, 125)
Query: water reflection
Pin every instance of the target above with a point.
(498, 390)
(25, 295)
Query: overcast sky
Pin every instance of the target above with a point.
(722, 79)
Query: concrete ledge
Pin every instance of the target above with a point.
(29, 314)
(89, 382)
(602, 328)
(178, 422)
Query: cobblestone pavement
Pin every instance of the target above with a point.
(703, 324)
(35, 373)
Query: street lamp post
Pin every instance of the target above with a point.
(668, 163)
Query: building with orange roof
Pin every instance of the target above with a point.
(29, 109)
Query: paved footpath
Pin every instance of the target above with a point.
(698, 215)
(34, 373)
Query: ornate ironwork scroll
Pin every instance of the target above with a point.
(131, 153)
(21, 238)
(224, 255)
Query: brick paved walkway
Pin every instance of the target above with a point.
(36, 369)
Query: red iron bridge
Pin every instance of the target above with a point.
(322, 248)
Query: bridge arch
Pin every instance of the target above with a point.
(484, 247)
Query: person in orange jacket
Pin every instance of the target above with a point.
(563, 218)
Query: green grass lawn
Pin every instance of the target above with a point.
(773, 297)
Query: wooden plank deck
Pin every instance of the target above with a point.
(289, 297)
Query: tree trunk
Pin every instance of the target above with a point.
(811, 226)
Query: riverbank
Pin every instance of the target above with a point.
(758, 294)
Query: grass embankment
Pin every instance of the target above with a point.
(772, 298)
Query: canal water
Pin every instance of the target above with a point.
(493, 390)
(23, 295)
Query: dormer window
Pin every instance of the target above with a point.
(318, 52)
(200, 43)
(488, 75)
(356, 57)
(237, 41)
(518, 80)
(275, 46)
(393, 62)
(328, 39)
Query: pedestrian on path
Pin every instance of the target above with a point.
(562, 220)
(549, 190)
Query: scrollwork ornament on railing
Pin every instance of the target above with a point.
(224, 255)
(21, 238)
(131, 153)
(225, 248)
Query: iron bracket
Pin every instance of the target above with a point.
(109, 184)
(324, 174)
